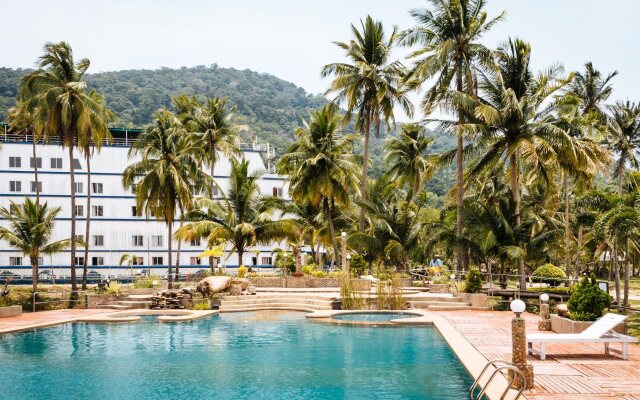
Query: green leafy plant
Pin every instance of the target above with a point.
(242, 271)
(588, 301)
(114, 288)
(358, 264)
(473, 281)
(203, 305)
(550, 274)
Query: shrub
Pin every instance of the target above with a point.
(114, 288)
(358, 264)
(588, 301)
(242, 271)
(564, 291)
(473, 281)
(203, 305)
(550, 274)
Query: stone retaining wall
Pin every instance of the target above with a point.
(438, 288)
(306, 282)
(10, 311)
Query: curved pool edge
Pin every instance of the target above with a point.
(326, 316)
(135, 315)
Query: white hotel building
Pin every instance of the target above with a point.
(115, 229)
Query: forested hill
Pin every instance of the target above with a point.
(270, 106)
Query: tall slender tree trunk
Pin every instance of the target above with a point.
(72, 178)
(327, 212)
(515, 193)
(365, 171)
(459, 177)
(240, 257)
(616, 271)
(567, 229)
(579, 251)
(169, 251)
(178, 252)
(35, 170)
(627, 277)
(318, 254)
(297, 258)
(34, 273)
(88, 222)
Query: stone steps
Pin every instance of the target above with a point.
(135, 303)
(272, 306)
(297, 296)
(114, 307)
(258, 301)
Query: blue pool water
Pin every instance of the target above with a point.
(263, 355)
(373, 317)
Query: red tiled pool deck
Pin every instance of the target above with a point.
(571, 371)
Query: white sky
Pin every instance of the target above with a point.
(292, 39)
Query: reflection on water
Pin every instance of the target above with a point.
(262, 355)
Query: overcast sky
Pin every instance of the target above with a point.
(292, 38)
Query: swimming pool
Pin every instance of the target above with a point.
(373, 317)
(262, 355)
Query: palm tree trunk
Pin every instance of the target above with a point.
(318, 254)
(579, 250)
(169, 251)
(178, 253)
(35, 170)
(365, 171)
(567, 229)
(459, 177)
(620, 183)
(617, 276)
(515, 192)
(240, 257)
(297, 259)
(72, 177)
(34, 273)
(88, 223)
(327, 212)
(627, 277)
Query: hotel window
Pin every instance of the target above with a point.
(15, 162)
(79, 187)
(195, 242)
(138, 240)
(97, 260)
(194, 260)
(38, 160)
(98, 240)
(40, 261)
(156, 241)
(33, 186)
(277, 192)
(14, 261)
(97, 187)
(156, 260)
(79, 211)
(76, 164)
(56, 163)
(98, 211)
(138, 261)
(15, 186)
(134, 211)
(80, 237)
(267, 261)
(79, 260)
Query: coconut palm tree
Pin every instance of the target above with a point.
(89, 144)
(310, 222)
(64, 109)
(22, 118)
(624, 138)
(321, 166)
(592, 90)
(244, 218)
(448, 33)
(30, 230)
(166, 175)
(370, 87)
(408, 157)
(212, 121)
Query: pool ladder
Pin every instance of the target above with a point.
(499, 365)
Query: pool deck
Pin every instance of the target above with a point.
(571, 371)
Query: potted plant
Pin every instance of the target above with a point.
(472, 288)
(586, 304)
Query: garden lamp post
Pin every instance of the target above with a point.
(519, 346)
(345, 268)
(545, 320)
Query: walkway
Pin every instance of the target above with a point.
(42, 319)
(571, 371)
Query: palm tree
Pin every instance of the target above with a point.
(88, 144)
(624, 138)
(64, 109)
(449, 33)
(370, 86)
(211, 120)
(309, 220)
(592, 90)
(22, 118)
(244, 218)
(407, 157)
(166, 175)
(30, 230)
(321, 166)
(128, 259)
(508, 124)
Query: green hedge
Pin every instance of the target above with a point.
(550, 274)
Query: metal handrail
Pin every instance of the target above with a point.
(84, 298)
(506, 365)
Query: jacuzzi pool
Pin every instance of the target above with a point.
(262, 355)
(373, 317)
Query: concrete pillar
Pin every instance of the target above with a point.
(519, 353)
(545, 320)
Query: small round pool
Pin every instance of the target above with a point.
(373, 317)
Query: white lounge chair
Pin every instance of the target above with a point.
(600, 332)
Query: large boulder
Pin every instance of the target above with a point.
(213, 284)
